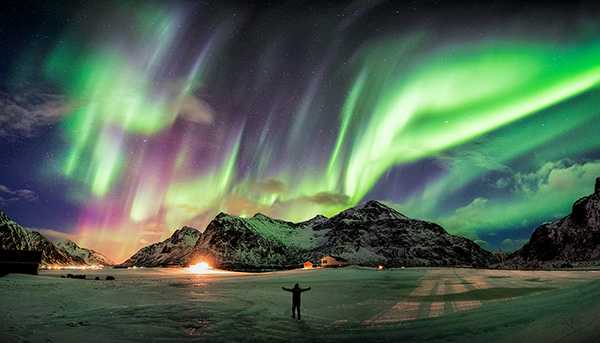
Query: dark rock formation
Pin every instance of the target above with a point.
(76, 276)
(374, 233)
(19, 261)
(370, 234)
(259, 242)
(15, 237)
(176, 250)
(88, 256)
(574, 239)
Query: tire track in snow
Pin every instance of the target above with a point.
(404, 310)
(434, 283)
(468, 283)
(436, 308)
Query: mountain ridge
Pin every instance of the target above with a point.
(370, 233)
(174, 250)
(573, 239)
(89, 256)
(14, 236)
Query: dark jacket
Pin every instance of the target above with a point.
(296, 291)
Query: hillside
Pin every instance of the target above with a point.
(368, 234)
(571, 240)
(64, 253)
(176, 250)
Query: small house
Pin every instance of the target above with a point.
(308, 265)
(19, 261)
(330, 261)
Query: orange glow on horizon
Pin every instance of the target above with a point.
(60, 267)
(199, 268)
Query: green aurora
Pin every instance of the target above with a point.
(509, 125)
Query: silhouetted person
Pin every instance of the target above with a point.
(296, 291)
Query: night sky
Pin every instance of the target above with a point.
(122, 121)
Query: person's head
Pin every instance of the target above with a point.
(296, 286)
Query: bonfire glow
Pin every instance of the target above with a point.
(200, 267)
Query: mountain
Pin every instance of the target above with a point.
(88, 256)
(259, 242)
(15, 237)
(375, 233)
(574, 239)
(369, 234)
(176, 250)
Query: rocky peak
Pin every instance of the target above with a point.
(175, 250)
(586, 211)
(371, 233)
(186, 233)
(66, 243)
(374, 205)
(261, 216)
(314, 221)
(3, 217)
(574, 238)
(188, 230)
(15, 237)
(223, 215)
(371, 210)
(319, 218)
(87, 256)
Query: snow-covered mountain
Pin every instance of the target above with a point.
(574, 239)
(368, 234)
(255, 243)
(375, 233)
(176, 250)
(15, 237)
(88, 256)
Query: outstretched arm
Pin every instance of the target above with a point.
(286, 289)
(306, 289)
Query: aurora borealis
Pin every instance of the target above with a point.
(149, 116)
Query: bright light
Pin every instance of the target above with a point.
(200, 267)
(60, 267)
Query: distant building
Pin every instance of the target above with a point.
(308, 265)
(19, 261)
(330, 261)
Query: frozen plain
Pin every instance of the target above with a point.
(349, 304)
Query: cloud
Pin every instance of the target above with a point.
(196, 110)
(560, 175)
(23, 113)
(328, 198)
(502, 183)
(55, 235)
(541, 195)
(471, 216)
(272, 186)
(10, 195)
(472, 158)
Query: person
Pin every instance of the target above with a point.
(296, 291)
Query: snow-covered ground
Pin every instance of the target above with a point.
(350, 304)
